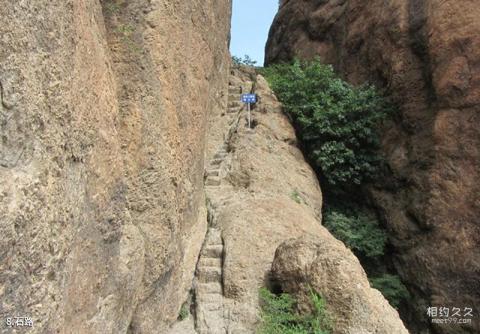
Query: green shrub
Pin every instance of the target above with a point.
(126, 32)
(336, 121)
(320, 322)
(279, 315)
(391, 287)
(337, 124)
(360, 231)
(246, 60)
(184, 312)
(111, 7)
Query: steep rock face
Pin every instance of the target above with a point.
(311, 263)
(261, 193)
(426, 54)
(103, 119)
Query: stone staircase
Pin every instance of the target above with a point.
(209, 288)
(213, 172)
(234, 104)
(209, 299)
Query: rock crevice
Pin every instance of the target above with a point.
(424, 54)
(250, 183)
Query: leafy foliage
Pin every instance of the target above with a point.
(295, 195)
(336, 121)
(391, 287)
(246, 60)
(111, 7)
(360, 231)
(279, 315)
(126, 33)
(184, 312)
(337, 124)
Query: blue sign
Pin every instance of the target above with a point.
(249, 98)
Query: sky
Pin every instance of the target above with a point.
(251, 21)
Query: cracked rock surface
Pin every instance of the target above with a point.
(103, 115)
(261, 193)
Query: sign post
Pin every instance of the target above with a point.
(248, 99)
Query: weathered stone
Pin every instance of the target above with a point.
(213, 181)
(214, 251)
(210, 261)
(103, 117)
(213, 172)
(216, 162)
(328, 268)
(219, 155)
(210, 288)
(209, 274)
(426, 54)
(254, 209)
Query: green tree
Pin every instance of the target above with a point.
(392, 288)
(336, 121)
(337, 125)
(360, 231)
(246, 60)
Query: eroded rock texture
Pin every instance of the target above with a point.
(103, 119)
(427, 55)
(307, 263)
(261, 193)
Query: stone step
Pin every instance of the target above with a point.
(233, 97)
(215, 251)
(213, 172)
(210, 262)
(234, 104)
(216, 162)
(211, 306)
(213, 181)
(233, 110)
(233, 90)
(209, 288)
(209, 299)
(219, 155)
(214, 236)
(209, 274)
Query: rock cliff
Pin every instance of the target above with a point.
(308, 263)
(131, 188)
(103, 117)
(426, 55)
(261, 193)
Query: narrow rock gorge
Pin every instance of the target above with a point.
(425, 54)
(253, 220)
(136, 199)
(133, 192)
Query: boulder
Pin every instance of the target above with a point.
(311, 264)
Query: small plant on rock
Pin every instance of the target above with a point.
(126, 31)
(295, 195)
(111, 7)
(279, 315)
(184, 312)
